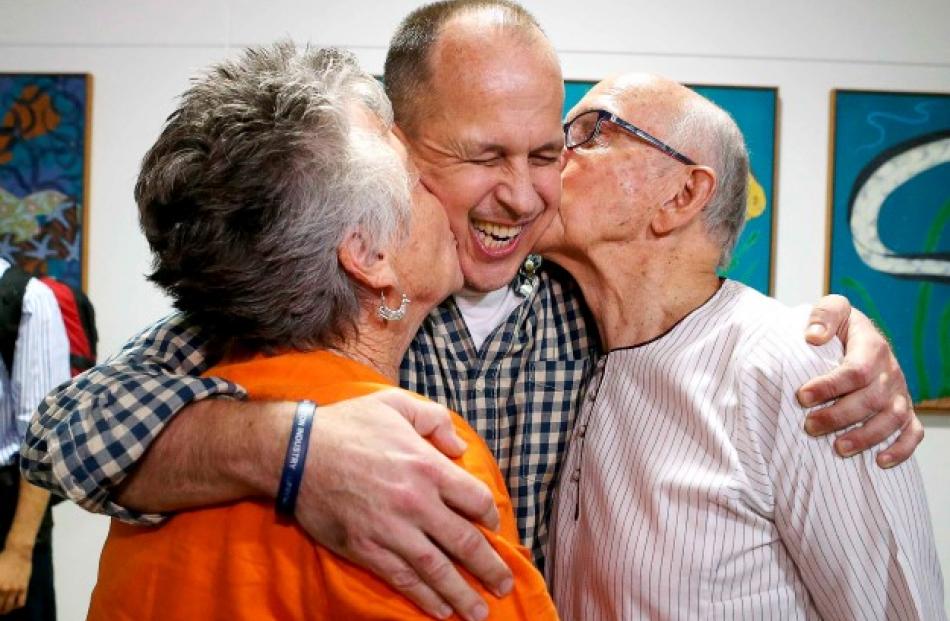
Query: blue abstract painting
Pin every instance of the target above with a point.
(890, 239)
(43, 136)
(754, 110)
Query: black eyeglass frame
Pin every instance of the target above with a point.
(604, 115)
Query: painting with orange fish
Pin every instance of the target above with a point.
(44, 125)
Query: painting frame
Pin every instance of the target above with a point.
(50, 124)
(766, 131)
(901, 123)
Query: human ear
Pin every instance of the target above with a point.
(369, 266)
(693, 195)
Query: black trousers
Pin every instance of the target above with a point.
(40, 599)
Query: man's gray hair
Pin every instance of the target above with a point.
(407, 71)
(704, 123)
(254, 182)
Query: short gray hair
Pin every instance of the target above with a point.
(407, 71)
(252, 185)
(703, 122)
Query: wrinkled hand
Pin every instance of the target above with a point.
(869, 387)
(15, 568)
(377, 493)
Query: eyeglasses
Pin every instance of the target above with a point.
(586, 126)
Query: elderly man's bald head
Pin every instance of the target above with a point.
(693, 125)
(661, 175)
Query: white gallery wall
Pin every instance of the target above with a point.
(141, 55)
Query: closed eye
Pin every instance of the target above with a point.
(485, 160)
(545, 159)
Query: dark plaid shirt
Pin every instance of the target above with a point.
(520, 391)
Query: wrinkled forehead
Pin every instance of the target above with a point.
(597, 98)
(510, 105)
(616, 94)
(641, 99)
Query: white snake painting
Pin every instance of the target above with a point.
(878, 180)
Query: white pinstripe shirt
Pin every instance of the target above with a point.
(40, 363)
(691, 491)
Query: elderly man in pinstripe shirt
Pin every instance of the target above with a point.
(689, 491)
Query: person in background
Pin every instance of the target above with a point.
(477, 94)
(690, 491)
(39, 363)
(286, 225)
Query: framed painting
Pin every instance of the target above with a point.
(755, 110)
(44, 145)
(889, 239)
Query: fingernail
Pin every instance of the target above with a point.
(846, 448)
(815, 329)
(479, 612)
(887, 461)
(807, 398)
(505, 587)
(812, 428)
(444, 611)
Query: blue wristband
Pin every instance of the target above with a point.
(296, 457)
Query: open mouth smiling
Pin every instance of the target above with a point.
(494, 236)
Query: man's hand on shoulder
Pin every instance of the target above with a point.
(869, 387)
(377, 493)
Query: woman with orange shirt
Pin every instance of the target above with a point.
(282, 218)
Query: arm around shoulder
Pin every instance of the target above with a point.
(88, 435)
(212, 451)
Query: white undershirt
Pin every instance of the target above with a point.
(483, 312)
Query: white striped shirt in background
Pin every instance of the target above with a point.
(691, 490)
(40, 364)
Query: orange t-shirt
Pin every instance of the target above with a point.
(237, 561)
